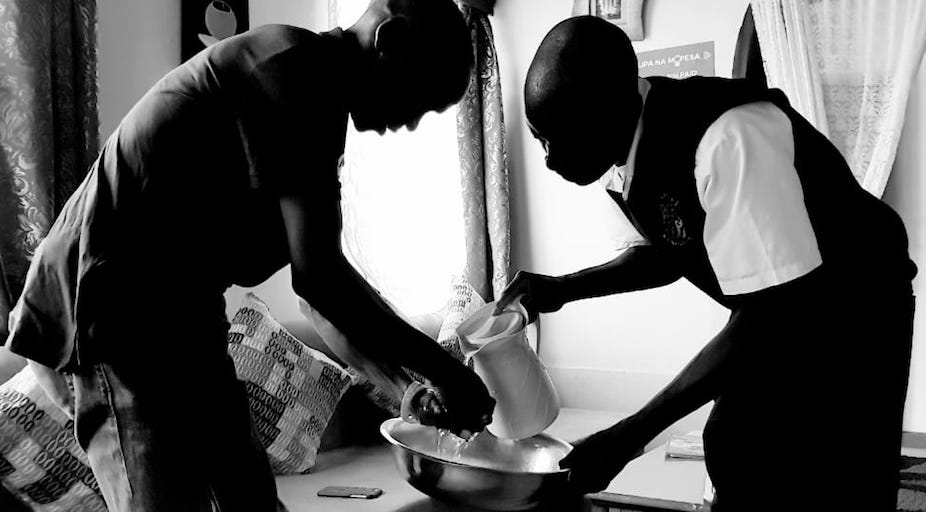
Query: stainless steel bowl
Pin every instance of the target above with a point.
(490, 473)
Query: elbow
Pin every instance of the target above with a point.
(319, 283)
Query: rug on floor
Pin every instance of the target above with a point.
(912, 494)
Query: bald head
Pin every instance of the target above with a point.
(581, 97)
(581, 60)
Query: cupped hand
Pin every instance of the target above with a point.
(460, 403)
(538, 294)
(597, 459)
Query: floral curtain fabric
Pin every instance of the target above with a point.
(484, 163)
(848, 67)
(48, 124)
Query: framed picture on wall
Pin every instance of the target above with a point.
(206, 22)
(627, 14)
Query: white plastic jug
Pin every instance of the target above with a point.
(526, 401)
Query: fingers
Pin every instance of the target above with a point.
(467, 428)
(582, 482)
(586, 476)
(517, 287)
(507, 298)
(461, 421)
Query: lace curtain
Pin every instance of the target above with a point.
(48, 124)
(847, 66)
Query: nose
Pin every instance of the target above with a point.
(551, 158)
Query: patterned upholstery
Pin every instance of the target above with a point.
(292, 388)
(41, 463)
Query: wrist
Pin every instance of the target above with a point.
(564, 288)
(635, 427)
(409, 408)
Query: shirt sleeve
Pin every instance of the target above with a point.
(757, 231)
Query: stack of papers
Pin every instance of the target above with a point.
(688, 447)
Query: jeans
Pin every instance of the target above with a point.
(171, 430)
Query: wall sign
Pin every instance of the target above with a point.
(678, 62)
(206, 22)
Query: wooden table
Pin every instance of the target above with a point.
(649, 483)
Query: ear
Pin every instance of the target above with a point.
(393, 37)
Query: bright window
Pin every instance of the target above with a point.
(402, 205)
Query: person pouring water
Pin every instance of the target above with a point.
(759, 211)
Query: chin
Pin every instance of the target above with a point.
(581, 180)
(363, 125)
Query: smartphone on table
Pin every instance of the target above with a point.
(347, 491)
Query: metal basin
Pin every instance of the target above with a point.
(490, 473)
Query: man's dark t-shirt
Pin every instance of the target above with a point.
(183, 200)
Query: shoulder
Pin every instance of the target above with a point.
(751, 138)
(274, 39)
(268, 46)
(760, 119)
(282, 65)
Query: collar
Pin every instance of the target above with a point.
(617, 178)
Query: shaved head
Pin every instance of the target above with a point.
(581, 97)
(581, 60)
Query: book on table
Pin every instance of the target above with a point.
(685, 446)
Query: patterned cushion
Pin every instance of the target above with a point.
(292, 388)
(464, 301)
(40, 461)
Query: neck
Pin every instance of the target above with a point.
(357, 63)
(632, 121)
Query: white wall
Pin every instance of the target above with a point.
(614, 352)
(905, 192)
(139, 41)
(310, 14)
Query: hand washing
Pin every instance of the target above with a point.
(512, 466)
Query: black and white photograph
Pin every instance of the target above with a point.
(206, 22)
(608, 9)
(626, 14)
(462, 256)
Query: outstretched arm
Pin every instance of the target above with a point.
(637, 268)
(698, 383)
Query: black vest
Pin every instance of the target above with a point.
(662, 201)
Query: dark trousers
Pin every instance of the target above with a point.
(166, 426)
(812, 419)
